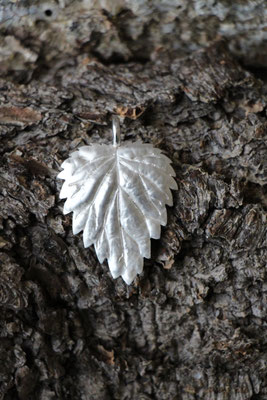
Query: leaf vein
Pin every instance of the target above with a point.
(148, 164)
(130, 236)
(120, 228)
(136, 205)
(114, 193)
(97, 191)
(145, 176)
(84, 167)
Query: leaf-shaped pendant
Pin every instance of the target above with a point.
(118, 195)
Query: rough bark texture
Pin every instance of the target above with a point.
(193, 325)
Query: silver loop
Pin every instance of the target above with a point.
(116, 130)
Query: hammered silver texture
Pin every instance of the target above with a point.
(117, 195)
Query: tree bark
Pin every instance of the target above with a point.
(193, 324)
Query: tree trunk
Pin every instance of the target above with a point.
(193, 324)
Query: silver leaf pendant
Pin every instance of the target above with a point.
(117, 194)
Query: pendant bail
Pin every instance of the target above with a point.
(116, 130)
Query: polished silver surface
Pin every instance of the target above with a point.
(116, 130)
(117, 194)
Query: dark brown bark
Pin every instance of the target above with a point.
(193, 325)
